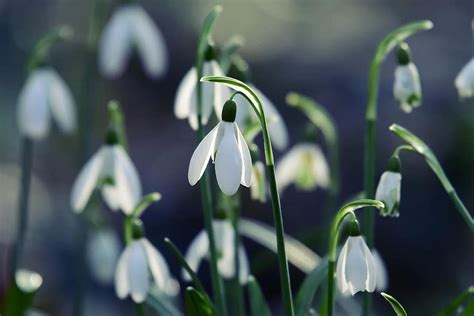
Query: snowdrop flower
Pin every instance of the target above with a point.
(227, 147)
(305, 166)
(129, 28)
(185, 103)
(465, 80)
(103, 250)
(407, 87)
(258, 189)
(225, 244)
(381, 283)
(356, 269)
(111, 170)
(139, 267)
(45, 96)
(389, 187)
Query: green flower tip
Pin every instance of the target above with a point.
(353, 228)
(403, 54)
(138, 230)
(394, 164)
(28, 281)
(229, 111)
(292, 98)
(111, 137)
(113, 106)
(211, 51)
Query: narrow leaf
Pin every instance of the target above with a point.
(162, 304)
(204, 36)
(309, 287)
(459, 301)
(258, 305)
(396, 306)
(195, 303)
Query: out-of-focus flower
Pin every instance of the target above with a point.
(225, 244)
(44, 96)
(356, 269)
(185, 103)
(305, 166)
(381, 283)
(140, 263)
(112, 170)
(103, 251)
(465, 80)
(407, 87)
(388, 191)
(226, 145)
(28, 281)
(129, 28)
(258, 189)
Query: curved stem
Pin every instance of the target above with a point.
(344, 211)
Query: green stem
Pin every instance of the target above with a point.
(140, 309)
(24, 193)
(239, 296)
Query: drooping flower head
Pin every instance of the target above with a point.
(45, 96)
(305, 166)
(407, 86)
(130, 28)
(355, 271)
(389, 188)
(112, 171)
(225, 244)
(185, 103)
(103, 250)
(140, 266)
(227, 147)
(380, 268)
(465, 80)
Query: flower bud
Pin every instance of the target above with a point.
(138, 231)
(388, 191)
(403, 54)
(111, 137)
(229, 111)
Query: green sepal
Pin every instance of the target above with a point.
(396, 306)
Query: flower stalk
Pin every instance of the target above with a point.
(256, 104)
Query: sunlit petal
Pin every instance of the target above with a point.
(127, 181)
(185, 95)
(244, 266)
(246, 178)
(197, 251)
(228, 161)
(137, 269)
(122, 287)
(225, 244)
(62, 103)
(158, 266)
(381, 272)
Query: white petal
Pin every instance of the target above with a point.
(127, 182)
(356, 266)
(149, 41)
(381, 271)
(228, 161)
(86, 181)
(341, 270)
(465, 80)
(320, 167)
(388, 189)
(32, 110)
(62, 103)
(244, 266)
(116, 43)
(110, 196)
(158, 266)
(287, 168)
(246, 178)
(370, 264)
(198, 250)
(201, 156)
(103, 251)
(406, 85)
(122, 287)
(137, 270)
(185, 95)
(225, 244)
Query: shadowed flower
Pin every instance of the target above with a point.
(185, 103)
(103, 251)
(305, 166)
(225, 244)
(355, 267)
(44, 96)
(407, 87)
(139, 266)
(227, 147)
(381, 283)
(465, 80)
(388, 191)
(111, 170)
(129, 28)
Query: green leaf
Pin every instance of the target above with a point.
(162, 304)
(258, 305)
(298, 254)
(469, 309)
(422, 148)
(204, 36)
(396, 306)
(195, 303)
(117, 122)
(459, 301)
(309, 287)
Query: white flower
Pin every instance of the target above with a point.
(305, 166)
(465, 80)
(276, 125)
(185, 103)
(258, 189)
(103, 250)
(407, 87)
(110, 169)
(355, 267)
(132, 275)
(388, 191)
(381, 283)
(226, 145)
(129, 28)
(225, 244)
(44, 96)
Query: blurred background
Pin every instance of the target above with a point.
(319, 48)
